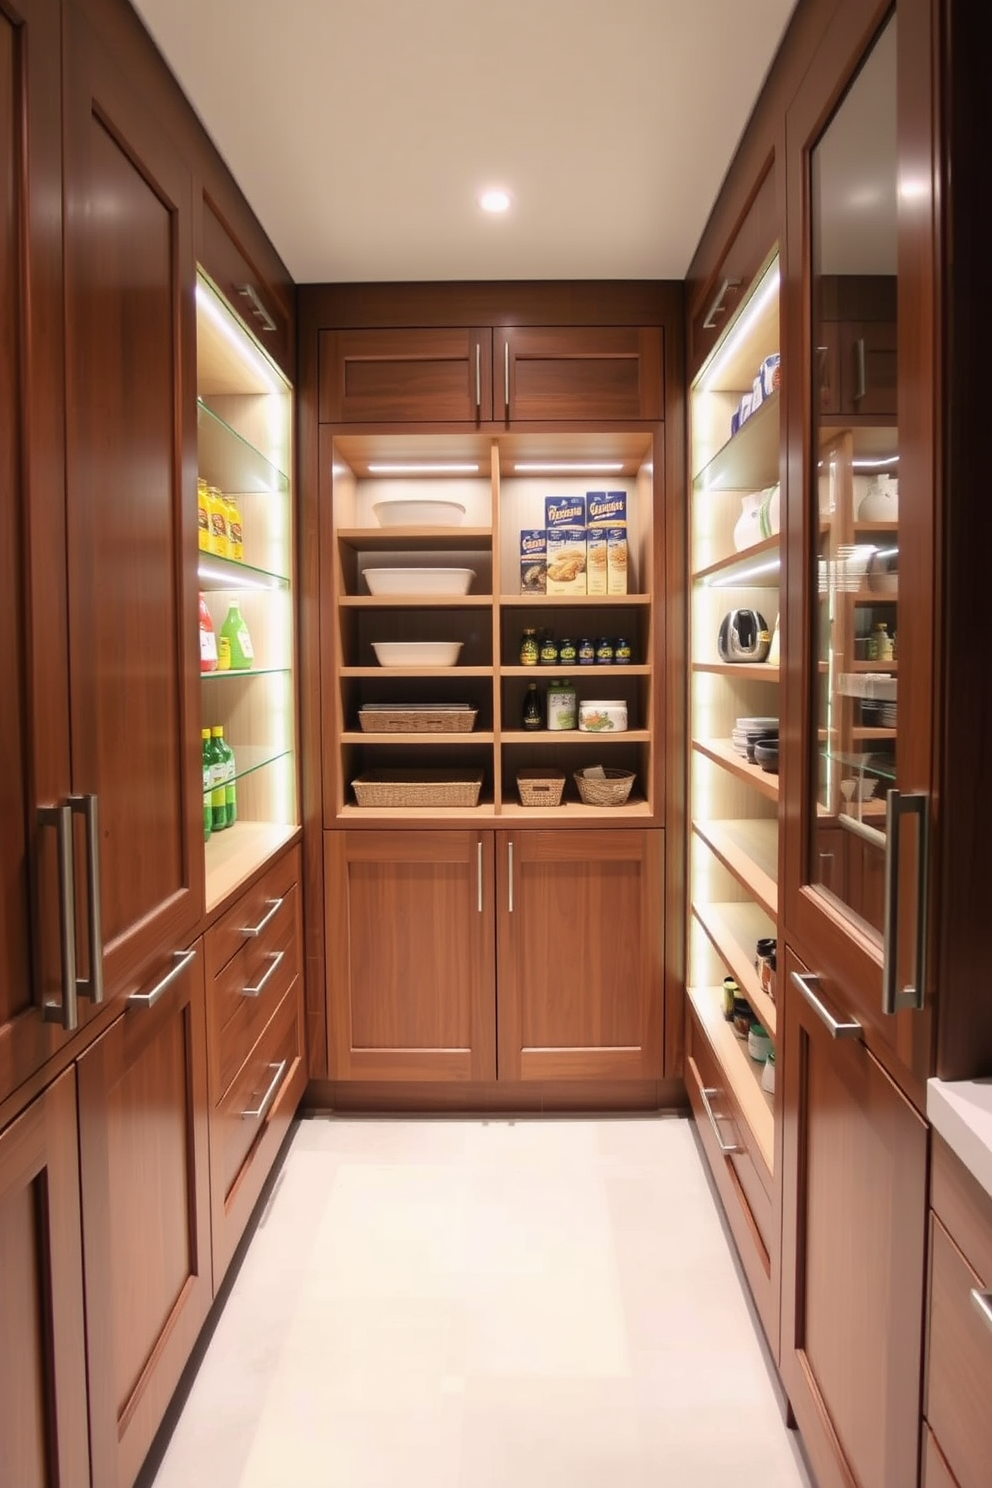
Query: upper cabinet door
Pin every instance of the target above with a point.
(130, 467)
(245, 288)
(578, 372)
(406, 376)
(862, 496)
(713, 308)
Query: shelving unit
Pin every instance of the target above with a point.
(479, 472)
(244, 425)
(734, 804)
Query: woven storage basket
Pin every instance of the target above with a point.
(613, 790)
(418, 721)
(540, 787)
(418, 788)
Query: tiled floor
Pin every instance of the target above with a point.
(466, 1304)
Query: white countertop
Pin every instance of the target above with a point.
(961, 1111)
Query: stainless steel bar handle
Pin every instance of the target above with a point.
(835, 1028)
(259, 986)
(65, 1012)
(262, 1109)
(983, 1303)
(274, 906)
(717, 307)
(727, 1148)
(898, 805)
(92, 986)
(478, 375)
(478, 873)
(250, 293)
(509, 869)
(859, 369)
(506, 376)
(180, 961)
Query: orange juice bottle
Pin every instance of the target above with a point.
(235, 531)
(219, 540)
(202, 515)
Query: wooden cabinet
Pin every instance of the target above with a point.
(410, 955)
(42, 1348)
(578, 372)
(146, 1211)
(256, 1069)
(131, 644)
(959, 1327)
(228, 262)
(460, 955)
(441, 375)
(854, 1232)
(580, 945)
(729, 285)
(856, 351)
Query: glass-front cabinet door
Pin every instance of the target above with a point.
(867, 496)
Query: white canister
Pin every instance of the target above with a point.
(603, 717)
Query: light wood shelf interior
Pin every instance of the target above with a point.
(234, 855)
(733, 930)
(723, 753)
(748, 850)
(742, 1073)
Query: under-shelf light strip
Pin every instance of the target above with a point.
(743, 326)
(241, 580)
(444, 467)
(740, 576)
(568, 467)
(236, 338)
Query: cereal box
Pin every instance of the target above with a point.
(565, 520)
(607, 539)
(616, 560)
(533, 560)
(606, 508)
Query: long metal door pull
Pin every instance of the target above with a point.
(262, 1109)
(259, 987)
(65, 1012)
(836, 1029)
(181, 960)
(983, 1304)
(274, 906)
(898, 805)
(509, 875)
(92, 986)
(727, 1148)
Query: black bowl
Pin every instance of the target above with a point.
(766, 755)
(753, 740)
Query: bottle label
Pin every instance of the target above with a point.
(208, 647)
(244, 641)
(561, 709)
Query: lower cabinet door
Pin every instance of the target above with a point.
(410, 960)
(854, 1228)
(43, 1437)
(146, 1211)
(580, 954)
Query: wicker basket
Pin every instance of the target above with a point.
(540, 787)
(612, 790)
(418, 788)
(418, 721)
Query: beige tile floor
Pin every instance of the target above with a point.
(466, 1304)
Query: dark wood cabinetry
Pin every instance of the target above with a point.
(578, 372)
(854, 1231)
(856, 354)
(229, 264)
(42, 1352)
(726, 288)
(406, 376)
(580, 952)
(146, 1211)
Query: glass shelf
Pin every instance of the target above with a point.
(251, 757)
(228, 460)
(241, 674)
(230, 574)
(750, 458)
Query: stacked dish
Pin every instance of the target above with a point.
(757, 740)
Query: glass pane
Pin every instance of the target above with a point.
(856, 486)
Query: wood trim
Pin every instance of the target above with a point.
(531, 1097)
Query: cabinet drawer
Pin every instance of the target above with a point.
(252, 918)
(959, 1363)
(243, 996)
(245, 289)
(256, 1094)
(728, 286)
(579, 372)
(433, 376)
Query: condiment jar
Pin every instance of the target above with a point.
(529, 649)
(567, 653)
(759, 1044)
(562, 705)
(549, 649)
(731, 992)
(604, 650)
(621, 651)
(586, 652)
(764, 963)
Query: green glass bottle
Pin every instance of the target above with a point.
(208, 777)
(235, 631)
(218, 775)
(230, 789)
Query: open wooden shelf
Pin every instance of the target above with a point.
(723, 753)
(233, 855)
(749, 850)
(434, 673)
(733, 930)
(609, 671)
(753, 670)
(416, 601)
(573, 736)
(727, 569)
(416, 741)
(743, 1074)
(414, 539)
(574, 601)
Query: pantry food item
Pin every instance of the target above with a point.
(561, 705)
(596, 717)
(607, 517)
(533, 560)
(208, 639)
(403, 513)
(419, 580)
(202, 516)
(565, 522)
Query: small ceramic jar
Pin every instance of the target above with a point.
(603, 717)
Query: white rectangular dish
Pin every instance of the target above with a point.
(419, 580)
(419, 513)
(416, 653)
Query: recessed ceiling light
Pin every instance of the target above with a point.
(495, 200)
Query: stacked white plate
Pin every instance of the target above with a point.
(753, 726)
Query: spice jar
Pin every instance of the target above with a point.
(604, 650)
(529, 649)
(731, 992)
(562, 705)
(567, 653)
(621, 651)
(586, 652)
(764, 964)
(549, 649)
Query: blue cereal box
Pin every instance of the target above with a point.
(533, 560)
(565, 521)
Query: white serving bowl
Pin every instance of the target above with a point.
(416, 653)
(419, 580)
(419, 513)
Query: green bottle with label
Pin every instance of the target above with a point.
(235, 632)
(208, 777)
(218, 776)
(226, 754)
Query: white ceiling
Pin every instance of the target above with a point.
(362, 130)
